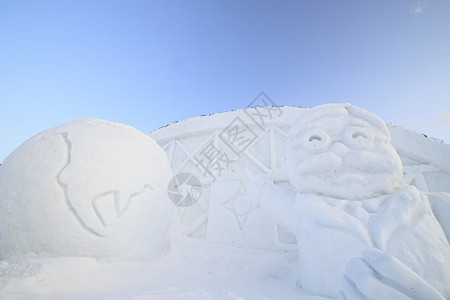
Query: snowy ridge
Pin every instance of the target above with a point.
(406, 142)
(417, 146)
(217, 121)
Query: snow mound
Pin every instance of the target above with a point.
(86, 188)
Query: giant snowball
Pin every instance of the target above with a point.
(85, 188)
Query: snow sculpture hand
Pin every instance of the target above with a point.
(378, 275)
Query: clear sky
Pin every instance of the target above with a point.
(149, 63)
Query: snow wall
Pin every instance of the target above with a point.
(222, 149)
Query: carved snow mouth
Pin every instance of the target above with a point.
(330, 164)
(351, 180)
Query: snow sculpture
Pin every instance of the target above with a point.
(361, 231)
(85, 188)
(224, 214)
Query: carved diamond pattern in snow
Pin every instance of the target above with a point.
(241, 206)
(263, 154)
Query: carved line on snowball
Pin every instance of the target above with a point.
(97, 211)
(65, 188)
(115, 193)
(146, 186)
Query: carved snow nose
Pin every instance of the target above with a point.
(339, 149)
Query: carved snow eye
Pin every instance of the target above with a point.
(316, 140)
(359, 137)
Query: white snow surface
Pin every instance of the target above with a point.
(191, 269)
(85, 188)
(321, 203)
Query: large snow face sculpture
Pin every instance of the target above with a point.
(361, 232)
(342, 151)
(85, 188)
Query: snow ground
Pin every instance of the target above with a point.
(192, 269)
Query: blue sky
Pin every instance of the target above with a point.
(149, 63)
